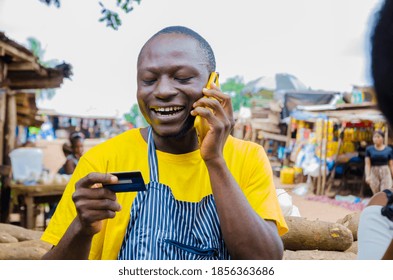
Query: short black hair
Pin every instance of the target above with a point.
(205, 46)
(75, 138)
(379, 132)
(382, 59)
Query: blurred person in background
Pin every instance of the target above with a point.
(379, 164)
(73, 154)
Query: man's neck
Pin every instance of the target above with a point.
(174, 145)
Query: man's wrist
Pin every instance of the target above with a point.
(215, 162)
(79, 231)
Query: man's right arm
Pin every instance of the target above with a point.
(74, 245)
(93, 205)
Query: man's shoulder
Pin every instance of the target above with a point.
(236, 145)
(242, 143)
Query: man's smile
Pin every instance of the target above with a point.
(167, 111)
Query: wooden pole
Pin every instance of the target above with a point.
(2, 122)
(3, 72)
(11, 124)
(319, 180)
(5, 192)
(324, 156)
(330, 182)
(289, 133)
(286, 160)
(9, 145)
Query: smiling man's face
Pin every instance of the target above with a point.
(172, 70)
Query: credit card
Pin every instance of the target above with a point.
(128, 182)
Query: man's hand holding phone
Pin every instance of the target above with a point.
(216, 119)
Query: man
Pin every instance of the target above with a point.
(213, 201)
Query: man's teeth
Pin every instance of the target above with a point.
(168, 109)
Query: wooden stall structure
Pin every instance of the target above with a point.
(345, 117)
(92, 126)
(269, 119)
(20, 70)
(266, 127)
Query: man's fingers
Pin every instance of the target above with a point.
(222, 109)
(98, 204)
(211, 103)
(92, 194)
(203, 112)
(215, 92)
(93, 216)
(224, 100)
(95, 178)
(211, 118)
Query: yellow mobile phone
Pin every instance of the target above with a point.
(201, 124)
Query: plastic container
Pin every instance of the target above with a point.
(285, 201)
(287, 175)
(298, 175)
(26, 164)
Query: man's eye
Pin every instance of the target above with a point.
(183, 80)
(149, 82)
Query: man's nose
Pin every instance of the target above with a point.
(165, 89)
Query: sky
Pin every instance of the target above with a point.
(325, 44)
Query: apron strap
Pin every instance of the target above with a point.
(152, 156)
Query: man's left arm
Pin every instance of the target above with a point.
(246, 235)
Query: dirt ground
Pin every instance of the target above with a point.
(314, 210)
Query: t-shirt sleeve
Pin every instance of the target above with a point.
(368, 152)
(260, 190)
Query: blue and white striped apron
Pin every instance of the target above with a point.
(163, 228)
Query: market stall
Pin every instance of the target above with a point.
(20, 70)
(29, 197)
(327, 143)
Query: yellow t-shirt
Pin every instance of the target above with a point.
(247, 162)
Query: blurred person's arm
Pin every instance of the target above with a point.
(69, 166)
(367, 169)
(389, 252)
(374, 237)
(391, 167)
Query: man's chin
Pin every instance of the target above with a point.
(176, 134)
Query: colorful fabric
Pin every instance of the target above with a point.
(380, 178)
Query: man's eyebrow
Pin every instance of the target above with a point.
(154, 69)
